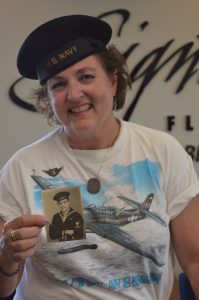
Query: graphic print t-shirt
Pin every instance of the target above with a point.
(141, 176)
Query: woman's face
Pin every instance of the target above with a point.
(82, 97)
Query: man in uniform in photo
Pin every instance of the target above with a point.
(67, 224)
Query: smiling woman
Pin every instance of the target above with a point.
(82, 100)
(111, 60)
(138, 186)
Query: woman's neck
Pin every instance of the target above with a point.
(102, 140)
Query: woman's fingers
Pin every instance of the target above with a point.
(26, 221)
(21, 235)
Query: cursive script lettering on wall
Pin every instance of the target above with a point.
(149, 66)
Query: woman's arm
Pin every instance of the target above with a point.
(14, 251)
(8, 283)
(185, 241)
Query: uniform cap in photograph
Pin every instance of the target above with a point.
(61, 196)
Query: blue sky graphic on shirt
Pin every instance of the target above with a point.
(142, 175)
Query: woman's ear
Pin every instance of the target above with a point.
(114, 81)
(115, 75)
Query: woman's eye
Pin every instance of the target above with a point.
(87, 77)
(57, 85)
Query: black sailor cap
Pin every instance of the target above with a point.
(61, 196)
(59, 43)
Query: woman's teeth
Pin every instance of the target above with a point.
(81, 108)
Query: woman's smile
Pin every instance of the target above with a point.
(81, 108)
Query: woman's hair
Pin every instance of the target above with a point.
(112, 61)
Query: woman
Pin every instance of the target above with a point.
(138, 185)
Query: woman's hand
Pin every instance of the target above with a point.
(20, 236)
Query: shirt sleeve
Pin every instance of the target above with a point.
(181, 180)
(12, 191)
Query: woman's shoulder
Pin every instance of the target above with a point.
(147, 132)
(37, 148)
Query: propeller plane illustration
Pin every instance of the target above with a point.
(106, 221)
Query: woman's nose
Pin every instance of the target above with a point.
(74, 91)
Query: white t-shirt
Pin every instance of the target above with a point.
(133, 259)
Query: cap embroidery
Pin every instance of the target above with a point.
(61, 56)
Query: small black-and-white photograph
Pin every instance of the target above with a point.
(63, 206)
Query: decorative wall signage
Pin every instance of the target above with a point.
(183, 59)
